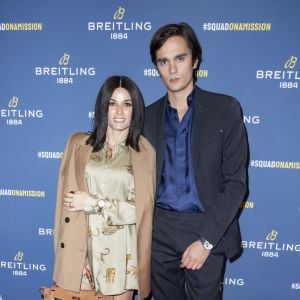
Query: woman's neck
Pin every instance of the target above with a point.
(114, 137)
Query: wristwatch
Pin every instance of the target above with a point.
(206, 244)
(99, 206)
(101, 203)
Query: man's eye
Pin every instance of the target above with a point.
(180, 58)
(162, 62)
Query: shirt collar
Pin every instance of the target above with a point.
(190, 99)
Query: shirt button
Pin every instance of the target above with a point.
(62, 245)
(67, 219)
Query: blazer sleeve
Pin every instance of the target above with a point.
(233, 184)
(152, 173)
(59, 194)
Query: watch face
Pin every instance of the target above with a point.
(207, 245)
(101, 203)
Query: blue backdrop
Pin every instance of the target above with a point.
(54, 56)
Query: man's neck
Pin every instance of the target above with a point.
(178, 100)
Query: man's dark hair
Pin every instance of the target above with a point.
(100, 123)
(181, 29)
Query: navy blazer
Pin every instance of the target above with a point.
(219, 156)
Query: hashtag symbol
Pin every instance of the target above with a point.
(39, 154)
(204, 26)
(145, 72)
(252, 163)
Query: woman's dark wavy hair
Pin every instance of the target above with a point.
(100, 123)
(181, 29)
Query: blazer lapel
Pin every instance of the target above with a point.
(140, 176)
(198, 126)
(159, 142)
(82, 156)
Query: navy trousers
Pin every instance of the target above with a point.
(173, 232)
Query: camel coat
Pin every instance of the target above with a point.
(71, 228)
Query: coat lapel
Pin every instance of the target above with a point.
(82, 156)
(198, 126)
(140, 176)
(159, 142)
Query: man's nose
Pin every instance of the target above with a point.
(173, 67)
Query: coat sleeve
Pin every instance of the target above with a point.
(224, 207)
(152, 180)
(59, 194)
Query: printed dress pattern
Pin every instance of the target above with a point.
(112, 242)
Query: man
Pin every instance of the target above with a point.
(201, 151)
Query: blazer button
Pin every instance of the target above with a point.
(62, 245)
(67, 219)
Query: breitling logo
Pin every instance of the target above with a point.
(119, 14)
(291, 62)
(65, 73)
(19, 256)
(64, 70)
(15, 116)
(19, 267)
(118, 28)
(272, 236)
(64, 59)
(288, 77)
(270, 247)
(13, 102)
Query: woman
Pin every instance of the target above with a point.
(103, 219)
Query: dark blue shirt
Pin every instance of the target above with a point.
(177, 190)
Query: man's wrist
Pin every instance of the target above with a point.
(206, 244)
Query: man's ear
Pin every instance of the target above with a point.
(157, 71)
(195, 64)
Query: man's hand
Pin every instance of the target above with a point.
(194, 256)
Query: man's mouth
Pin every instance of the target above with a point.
(173, 78)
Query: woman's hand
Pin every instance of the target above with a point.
(74, 201)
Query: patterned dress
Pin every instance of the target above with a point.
(112, 242)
